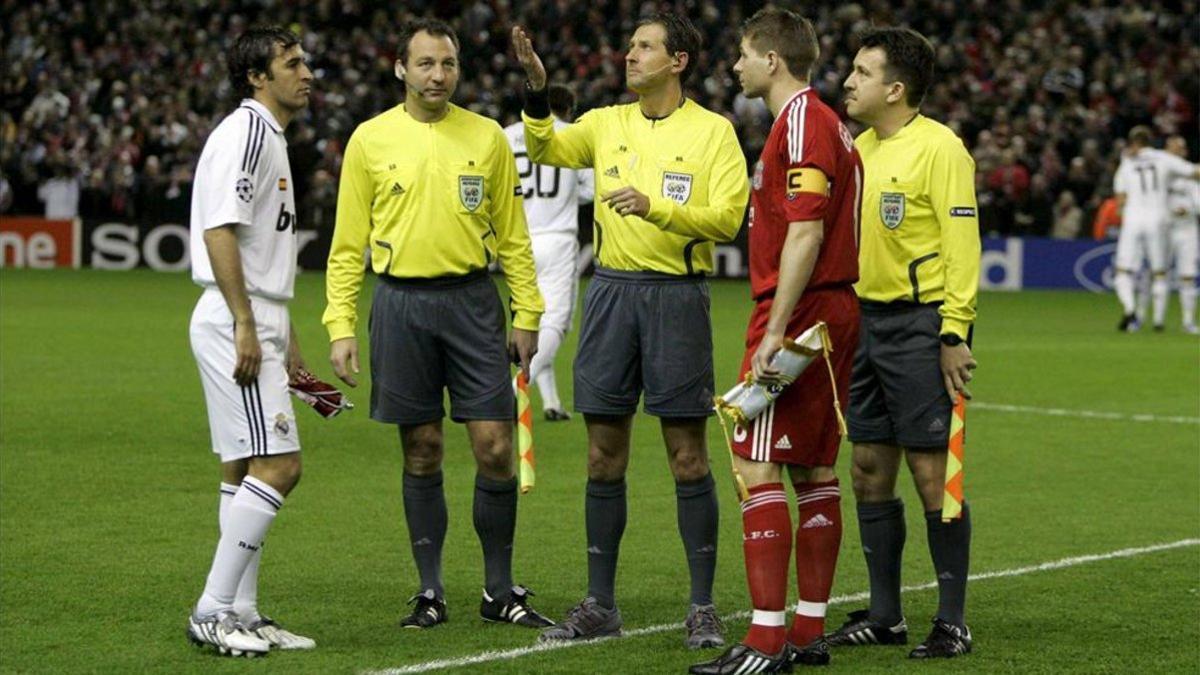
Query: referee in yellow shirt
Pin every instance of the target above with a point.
(919, 274)
(672, 180)
(432, 190)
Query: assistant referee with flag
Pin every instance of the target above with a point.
(919, 275)
(433, 191)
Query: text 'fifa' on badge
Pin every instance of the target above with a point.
(677, 186)
(470, 191)
(891, 209)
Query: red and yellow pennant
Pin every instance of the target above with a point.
(524, 434)
(952, 499)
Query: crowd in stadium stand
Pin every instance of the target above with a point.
(114, 100)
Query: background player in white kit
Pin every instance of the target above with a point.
(243, 247)
(1141, 184)
(552, 199)
(1183, 203)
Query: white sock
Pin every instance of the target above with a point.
(1159, 291)
(1143, 295)
(542, 367)
(245, 601)
(245, 525)
(1123, 283)
(1187, 300)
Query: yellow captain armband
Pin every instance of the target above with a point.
(807, 179)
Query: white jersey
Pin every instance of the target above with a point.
(1184, 196)
(243, 177)
(552, 194)
(1144, 178)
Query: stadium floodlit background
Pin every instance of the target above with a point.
(1083, 457)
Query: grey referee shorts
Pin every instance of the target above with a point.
(897, 396)
(428, 335)
(645, 331)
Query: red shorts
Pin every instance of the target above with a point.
(801, 427)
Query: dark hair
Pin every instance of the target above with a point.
(562, 100)
(1141, 135)
(774, 29)
(909, 58)
(434, 27)
(253, 52)
(682, 36)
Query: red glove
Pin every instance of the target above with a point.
(322, 397)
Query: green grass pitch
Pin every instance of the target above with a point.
(108, 498)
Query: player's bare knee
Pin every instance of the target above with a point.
(811, 474)
(689, 465)
(606, 465)
(495, 458)
(281, 472)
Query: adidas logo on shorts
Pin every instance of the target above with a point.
(783, 443)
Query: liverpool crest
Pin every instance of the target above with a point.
(470, 191)
(891, 209)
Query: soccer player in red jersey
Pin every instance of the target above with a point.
(803, 261)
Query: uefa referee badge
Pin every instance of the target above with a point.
(891, 209)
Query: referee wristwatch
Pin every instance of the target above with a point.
(950, 339)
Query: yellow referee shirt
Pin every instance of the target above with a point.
(689, 164)
(429, 200)
(920, 223)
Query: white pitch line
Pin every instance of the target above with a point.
(1087, 414)
(509, 654)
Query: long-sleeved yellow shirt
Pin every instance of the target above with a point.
(430, 200)
(920, 223)
(689, 164)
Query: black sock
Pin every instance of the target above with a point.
(605, 510)
(950, 548)
(495, 522)
(882, 528)
(425, 512)
(698, 515)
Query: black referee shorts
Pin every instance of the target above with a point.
(645, 331)
(897, 395)
(429, 335)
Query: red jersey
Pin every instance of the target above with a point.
(807, 135)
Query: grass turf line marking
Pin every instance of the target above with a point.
(509, 654)
(1087, 414)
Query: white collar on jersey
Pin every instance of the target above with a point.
(793, 98)
(263, 111)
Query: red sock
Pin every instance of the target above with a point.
(767, 543)
(818, 539)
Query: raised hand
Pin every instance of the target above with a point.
(535, 72)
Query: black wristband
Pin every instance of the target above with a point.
(537, 102)
(950, 339)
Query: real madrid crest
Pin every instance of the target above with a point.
(470, 191)
(677, 186)
(891, 209)
(281, 424)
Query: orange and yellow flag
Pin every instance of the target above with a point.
(952, 500)
(524, 433)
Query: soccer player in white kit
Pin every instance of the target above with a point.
(1183, 202)
(243, 248)
(552, 198)
(1141, 184)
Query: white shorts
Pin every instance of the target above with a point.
(256, 420)
(1142, 240)
(554, 258)
(1185, 247)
